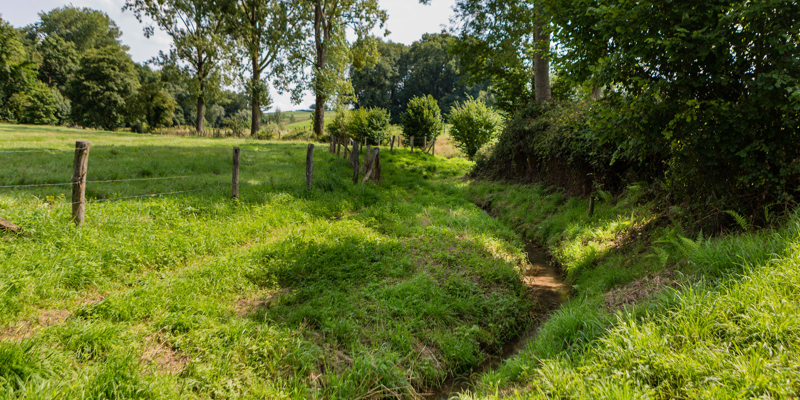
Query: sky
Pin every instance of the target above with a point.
(408, 20)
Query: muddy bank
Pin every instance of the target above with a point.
(544, 278)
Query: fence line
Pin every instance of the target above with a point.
(106, 181)
(38, 151)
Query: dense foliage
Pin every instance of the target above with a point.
(422, 118)
(426, 67)
(474, 125)
(363, 123)
(700, 95)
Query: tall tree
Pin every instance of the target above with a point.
(501, 39)
(379, 84)
(59, 61)
(330, 19)
(197, 31)
(84, 27)
(105, 80)
(17, 72)
(264, 31)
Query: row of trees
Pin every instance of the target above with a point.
(427, 67)
(71, 68)
(704, 95)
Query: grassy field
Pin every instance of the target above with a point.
(657, 312)
(345, 291)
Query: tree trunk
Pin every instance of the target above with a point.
(320, 29)
(255, 102)
(541, 63)
(201, 109)
(597, 92)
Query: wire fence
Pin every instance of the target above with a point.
(39, 151)
(101, 181)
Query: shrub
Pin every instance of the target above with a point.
(338, 126)
(369, 123)
(474, 124)
(422, 118)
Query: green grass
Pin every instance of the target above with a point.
(344, 291)
(730, 328)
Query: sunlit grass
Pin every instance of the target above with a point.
(338, 292)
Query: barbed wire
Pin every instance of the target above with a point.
(40, 151)
(104, 181)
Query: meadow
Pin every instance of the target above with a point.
(344, 291)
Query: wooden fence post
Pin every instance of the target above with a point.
(391, 145)
(374, 166)
(425, 143)
(310, 166)
(354, 156)
(339, 146)
(591, 205)
(433, 147)
(366, 158)
(235, 175)
(9, 226)
(79, 169)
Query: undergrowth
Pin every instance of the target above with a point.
(720, 322)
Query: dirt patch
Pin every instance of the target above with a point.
(164, 359)
(641, 289)
(25, 329)
(252, 305)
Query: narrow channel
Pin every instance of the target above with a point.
(551, 292)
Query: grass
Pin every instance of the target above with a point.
(723, 324)
(345, 291)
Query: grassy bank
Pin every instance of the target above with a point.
(656, 313)
(345, 291)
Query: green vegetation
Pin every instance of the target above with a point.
(656, 314)
(339, 292)
(422, 119)
(474, 125)
(371, 124)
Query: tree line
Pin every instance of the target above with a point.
(701, 97)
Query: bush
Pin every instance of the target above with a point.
(338, 126)
(369, 123)
(422, 118)
(37, 106)
(474, 124)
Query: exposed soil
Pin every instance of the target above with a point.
(544, 278)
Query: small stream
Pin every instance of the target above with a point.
(551, 292)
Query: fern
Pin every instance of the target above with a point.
(739, 220)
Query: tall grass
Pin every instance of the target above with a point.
(344, 291)
(728, 330)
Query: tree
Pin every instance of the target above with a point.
(474, 124)
(422, 118)
(379, 84)
(84, 27)
(153, 105)
(196, 28)
(434, 70)
(332, 54)
(17, 72)
(104, 81)
(502, 39)
(59, 62)
(264, 30)
(709, 89)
